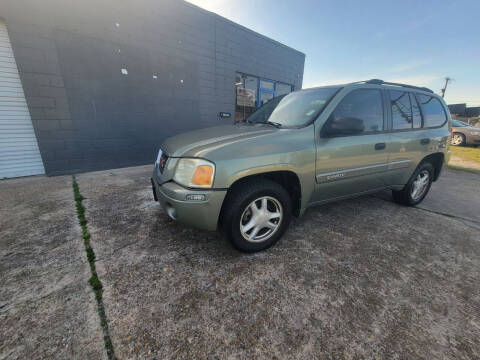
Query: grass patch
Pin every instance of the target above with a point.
(94, 281)
(466, 153)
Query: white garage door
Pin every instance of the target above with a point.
(19, 154)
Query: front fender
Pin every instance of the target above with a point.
(259, 170)
(305, 176)
(291, 150)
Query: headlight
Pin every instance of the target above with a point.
(475, 133)
(194, 173)
(158, 156)
(161, 161)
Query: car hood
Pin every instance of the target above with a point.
(197, 143)
(467, 128)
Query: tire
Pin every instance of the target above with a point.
(240, 214)
(407, 195)
(458, 139)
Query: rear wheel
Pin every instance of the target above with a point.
(458, 139)
(257, 214)
(417, 187)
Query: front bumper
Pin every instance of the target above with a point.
(201, 214)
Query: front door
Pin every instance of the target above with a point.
(353, 163)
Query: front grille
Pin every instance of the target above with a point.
(162, 162)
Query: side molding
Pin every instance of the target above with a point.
(360, 171)
(349, 173)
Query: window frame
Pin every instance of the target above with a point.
(384, 117)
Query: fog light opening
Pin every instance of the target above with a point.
(171, 211)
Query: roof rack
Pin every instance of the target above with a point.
(381, 82)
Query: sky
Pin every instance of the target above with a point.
(415, 42)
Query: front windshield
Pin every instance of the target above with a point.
(457, 123)
(300, 108)
(263, 113)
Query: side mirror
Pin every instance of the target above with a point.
(343, 126)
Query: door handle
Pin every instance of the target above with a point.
(425, 141)
(380, 146)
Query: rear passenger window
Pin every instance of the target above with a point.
(363, 104)
(401, 110)
(433, 112)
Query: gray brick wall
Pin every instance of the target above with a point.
(88, 116)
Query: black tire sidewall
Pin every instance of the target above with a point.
(238, 206)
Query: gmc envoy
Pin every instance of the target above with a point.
(310, 147)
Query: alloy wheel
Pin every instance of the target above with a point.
(261, 219)
(420, 185)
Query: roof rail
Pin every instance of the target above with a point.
(381, 82)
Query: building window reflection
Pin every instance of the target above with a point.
(252, 92)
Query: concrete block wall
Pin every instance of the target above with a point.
(181, 63)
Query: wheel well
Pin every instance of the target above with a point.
(288, 179)
(437, 161)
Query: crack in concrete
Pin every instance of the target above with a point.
(449, 215)
(476, 223)
(94, 281)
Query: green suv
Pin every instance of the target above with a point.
(310, 147)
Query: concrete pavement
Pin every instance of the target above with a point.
(361, 278)
(47, 309)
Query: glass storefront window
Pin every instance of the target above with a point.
(283, 89)
(265, 97)
(252, 92)
(246, 88)
(266, 84)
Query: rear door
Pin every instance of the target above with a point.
(347, 165)
(410, 139)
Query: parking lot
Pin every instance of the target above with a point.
(361, 278)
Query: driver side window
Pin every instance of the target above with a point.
(363, 108)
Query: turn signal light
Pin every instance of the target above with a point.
(203, 175)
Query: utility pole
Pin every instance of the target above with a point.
(447, 80)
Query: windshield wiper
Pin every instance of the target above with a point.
(277, 125)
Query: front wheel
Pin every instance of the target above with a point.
(257, 213)
(417, 187)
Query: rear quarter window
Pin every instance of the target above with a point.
(433, 112)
